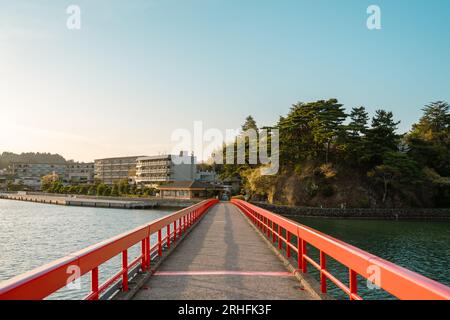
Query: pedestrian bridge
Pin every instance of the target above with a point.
(228, 250)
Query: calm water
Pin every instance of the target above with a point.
(421, 246)
(34, 234)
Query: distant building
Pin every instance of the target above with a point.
(77, 172)
(189, 190)
(36, 170)
(111, 170)
(30, 174)
(206, 176)
(233, 185)
(165, 168)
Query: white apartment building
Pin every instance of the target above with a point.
(165, 168)
(80, 172)
(111, 170)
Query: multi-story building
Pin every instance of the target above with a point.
(36, 170)
(165, 168)
(111, 170)
(80, 172)
(30, 174)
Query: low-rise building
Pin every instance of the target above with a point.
(206, 176)
(151, 171)
(112, 170)
(189, 190)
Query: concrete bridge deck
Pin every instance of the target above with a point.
(223, 258)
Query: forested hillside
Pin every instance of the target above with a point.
(333, 159)
(33, 157)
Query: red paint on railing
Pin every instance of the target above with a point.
(42, 282)
(398, 281)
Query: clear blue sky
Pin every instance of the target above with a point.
(137, 70)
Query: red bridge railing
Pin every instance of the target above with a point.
(398, 281)
(44, 281)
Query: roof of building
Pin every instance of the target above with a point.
(115, 158)
(188, 185)
(162, 156)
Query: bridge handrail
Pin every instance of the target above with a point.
(400, 282)
(43, 281)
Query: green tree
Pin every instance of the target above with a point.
(47, 181)
(359, 119)
(398, 171)
(73, 189)
(83, 189)
(249, 124)
(435, 120)
(133, 189)
(101, 188)
(327, 125)
(92, 190)
(355, 134)
(115, 190)
(384, 174)
(310, 129)
(381, 138)
(429, 139)
(107, 191)
(124, 187)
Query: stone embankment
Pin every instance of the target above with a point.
(361, 213)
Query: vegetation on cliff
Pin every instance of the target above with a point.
(333, 159)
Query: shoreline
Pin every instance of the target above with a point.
(431, 214)
(99, 202)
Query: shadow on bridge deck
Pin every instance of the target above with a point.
(222, 258)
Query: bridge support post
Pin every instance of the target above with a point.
(288, 241)
(274, 238)
(159, 243)
(304, 252)
(94, 283)
(353, 284)
(323, 267)
(125, 270)
(168, 236)
(175, 230)
(280, 244)
(144, 254)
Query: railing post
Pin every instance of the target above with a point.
(175, 230)
(148, 254)
(144, 255)
(168, 236)
(353, 283)
(304, 253)
(268, 227)
(299, 253)
(125, 270)
(94, 283)
(159, 243)
(274, 238)
(288, 241)
(280, 244)
(323, 267)
(264, 224)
